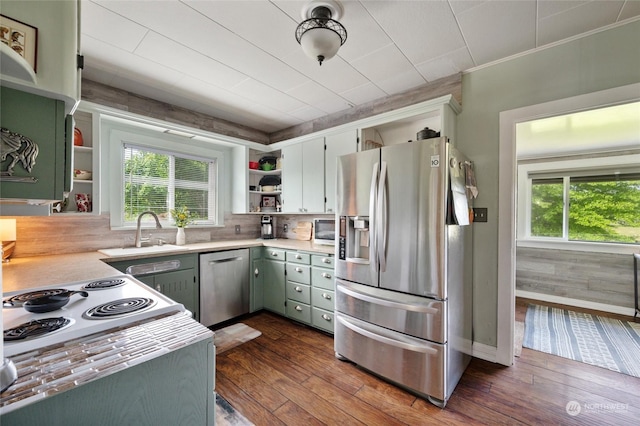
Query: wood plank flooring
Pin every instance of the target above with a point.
(290, 376)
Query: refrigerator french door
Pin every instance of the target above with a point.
(402, 265)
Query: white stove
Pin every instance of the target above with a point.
(111, 302)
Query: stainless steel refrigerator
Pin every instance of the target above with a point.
(403, 268)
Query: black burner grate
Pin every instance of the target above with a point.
(119, 307)
(35, 328)
(103, 284)
(18, 299)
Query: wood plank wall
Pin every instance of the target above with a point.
(596, 277)
(73, 233)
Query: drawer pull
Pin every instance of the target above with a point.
(158, 288)
(326, 275)
(298, 308)
(326, 296)
(298, 289)
(298, 257)
(256, 272)
(326, 260)
(298, 269)
(274, 254)
(326, 317)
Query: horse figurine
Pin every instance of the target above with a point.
(20, 148)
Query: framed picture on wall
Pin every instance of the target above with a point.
(21, 37)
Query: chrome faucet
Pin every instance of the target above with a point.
(139, 239)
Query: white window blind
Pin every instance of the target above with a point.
(161, 181)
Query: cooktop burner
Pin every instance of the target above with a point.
(103, 284)
(18, 299)
(36, 328)
(119, 308)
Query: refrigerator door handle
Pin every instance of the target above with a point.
(373, 219)
(384, 339)
(381, 216)
(386, 302)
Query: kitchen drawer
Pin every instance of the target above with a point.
(298, 273)
(297, 257)
(323, 278)
(274, 254)
(323, 261)
(298, 292)
(299, 311)
(322, 298)
(322, 319)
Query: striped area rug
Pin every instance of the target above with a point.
(600, 341)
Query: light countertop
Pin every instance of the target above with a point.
(38, 271)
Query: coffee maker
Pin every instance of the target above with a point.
(267, 227)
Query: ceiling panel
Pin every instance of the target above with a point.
(497, 29)
(239, 60)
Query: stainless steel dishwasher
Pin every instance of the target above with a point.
(224, 285)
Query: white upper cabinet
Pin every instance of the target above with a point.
(303, 177)
(54, 73)
(335, 146)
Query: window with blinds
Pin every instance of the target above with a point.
(161, 181)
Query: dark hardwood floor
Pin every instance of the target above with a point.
(290, 376)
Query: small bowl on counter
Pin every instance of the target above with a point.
(82, 174)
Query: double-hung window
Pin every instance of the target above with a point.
(580, 205)
(159, 181)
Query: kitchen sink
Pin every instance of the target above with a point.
(132, 251)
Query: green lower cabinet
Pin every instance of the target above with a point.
(181, 284)
(273, 281)
(299, 311)
(257, 285)
(322, 319)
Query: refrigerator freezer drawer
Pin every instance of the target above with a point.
(413, 315)
(410, 362)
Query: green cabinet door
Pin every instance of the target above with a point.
(181, 287)
(257, 285)
(43, 122)
(273, 280)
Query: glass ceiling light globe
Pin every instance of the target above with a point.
(320, 44)
(320, 36)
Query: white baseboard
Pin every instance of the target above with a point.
(620, 310)
(486, 352)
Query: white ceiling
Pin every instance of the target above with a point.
(239, 60)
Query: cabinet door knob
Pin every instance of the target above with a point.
(298, 308)
(158, 288)
(298, 257)
(326, 296)
(326, 260)
(325, 275)
(298, 289)
(326, 317)
(298, 269)
(256, 272)
(274, 254)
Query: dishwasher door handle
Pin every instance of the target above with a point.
(229, 259)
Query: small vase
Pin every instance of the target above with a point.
(180, 237)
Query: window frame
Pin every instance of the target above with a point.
(593, 165)
(120, 135)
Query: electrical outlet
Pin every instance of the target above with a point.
(285, 227)
(237, 229)
(479, 214)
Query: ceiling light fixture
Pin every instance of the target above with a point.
(319, 35)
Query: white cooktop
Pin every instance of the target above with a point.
(81, 326)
